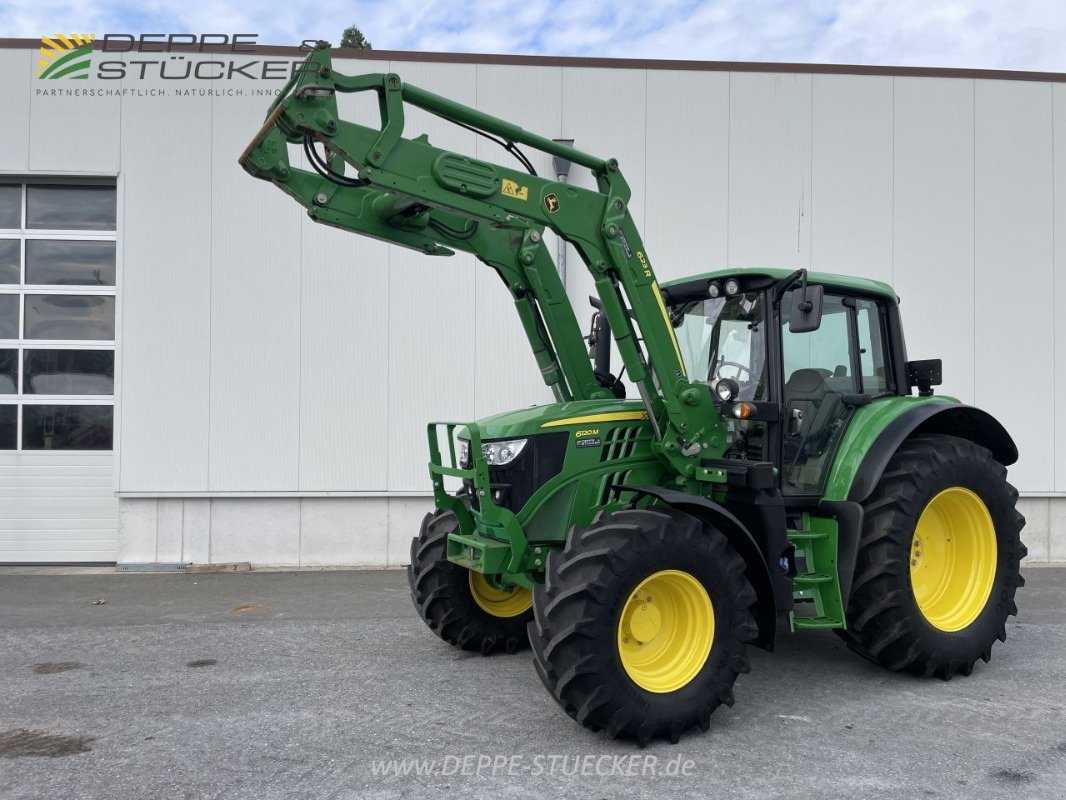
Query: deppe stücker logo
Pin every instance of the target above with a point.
(65, 55)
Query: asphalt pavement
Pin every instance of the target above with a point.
(326, 684)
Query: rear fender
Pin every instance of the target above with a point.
(951, 419)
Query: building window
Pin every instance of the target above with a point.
(57, 315)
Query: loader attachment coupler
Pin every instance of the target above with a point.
(410, 193)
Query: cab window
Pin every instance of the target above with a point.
(826, 350)
(725, 338)
(873, 347)
(818, 373)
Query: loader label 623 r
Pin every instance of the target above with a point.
(772, 462)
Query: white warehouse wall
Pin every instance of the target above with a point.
(276, 375)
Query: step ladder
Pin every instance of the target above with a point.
(816, 549)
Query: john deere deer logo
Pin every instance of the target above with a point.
(65, 55)
(551, 203)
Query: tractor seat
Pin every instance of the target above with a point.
(808, 390)
(807, 381)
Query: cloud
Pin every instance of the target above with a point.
(1026, 34)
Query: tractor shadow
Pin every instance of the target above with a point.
(814, 655)
(820, 662)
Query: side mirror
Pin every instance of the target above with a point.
(806, 313)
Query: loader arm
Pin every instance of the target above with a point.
(429, 199)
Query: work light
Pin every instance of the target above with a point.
(732, 286)
(726, 389)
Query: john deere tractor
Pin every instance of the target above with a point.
(760, 456)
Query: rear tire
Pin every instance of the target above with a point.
(455, 602)
(938, 561)
(595, 608)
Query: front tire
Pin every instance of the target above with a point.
(641, 627)
(461, 606)
(938, 561)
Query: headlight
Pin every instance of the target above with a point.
(732, 286)
(497, 454)
(464, 454)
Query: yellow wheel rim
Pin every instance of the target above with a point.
(953, 559)
(665, 631)
(496, 601)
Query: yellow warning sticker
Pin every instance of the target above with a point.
(512, 189)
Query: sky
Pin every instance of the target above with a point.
(995, 34)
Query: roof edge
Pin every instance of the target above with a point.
(604, 63)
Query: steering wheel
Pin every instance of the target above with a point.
(739, 367)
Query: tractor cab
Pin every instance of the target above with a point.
(788, 390)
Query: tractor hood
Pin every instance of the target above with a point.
(578, 414)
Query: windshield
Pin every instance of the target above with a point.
(726, 338)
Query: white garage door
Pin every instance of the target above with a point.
(58, 273)
(57, 508)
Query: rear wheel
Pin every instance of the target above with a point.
(938, 562)
(463, 608)
(641, 626)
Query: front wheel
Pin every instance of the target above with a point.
(640, 628)
(463, 608)
(938, 561)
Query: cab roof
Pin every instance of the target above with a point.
(845, 283)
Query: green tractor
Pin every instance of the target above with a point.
(758, 457)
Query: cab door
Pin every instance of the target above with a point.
(826, 374)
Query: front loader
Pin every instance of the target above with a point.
(759, 457)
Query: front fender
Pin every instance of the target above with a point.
(878, 429)
(757, 570)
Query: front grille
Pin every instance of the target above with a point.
(620, 442)
(609, 491)
(540, 461)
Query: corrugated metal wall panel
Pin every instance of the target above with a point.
(851, 176)
(57, 507)
(769, 170)
(74, 134)
(255, 315)
(165, 294)
(1013, 225)
(686, 199)
(344, 360)
(17, 67)
(1058, 99)
(933, 218)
